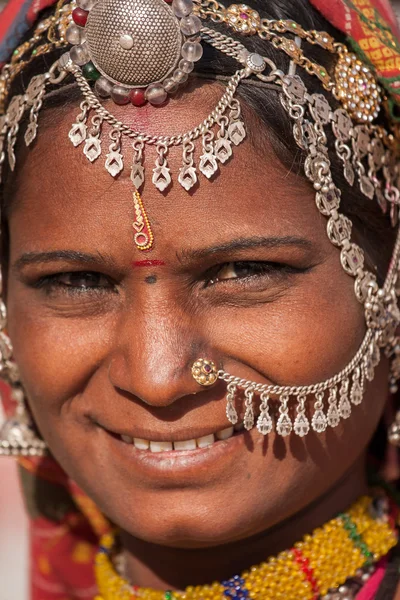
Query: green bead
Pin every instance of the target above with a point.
(90, 72)
(168, 595)
(323, 73)
(16, 52)
(34, 52)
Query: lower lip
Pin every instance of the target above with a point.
(175, 462)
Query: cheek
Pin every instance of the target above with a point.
(56, 356)
(303, 337)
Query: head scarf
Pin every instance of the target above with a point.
(65, 524)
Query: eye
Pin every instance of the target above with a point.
(247, 269)
(76, 282)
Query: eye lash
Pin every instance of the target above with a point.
(262, 269)
(51, 283)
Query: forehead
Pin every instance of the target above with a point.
(68, 198)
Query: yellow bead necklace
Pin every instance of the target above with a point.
(318, 564)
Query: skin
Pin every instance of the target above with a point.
(116, 356)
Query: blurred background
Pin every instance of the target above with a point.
(14, 565)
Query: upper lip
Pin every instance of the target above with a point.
(176, 436)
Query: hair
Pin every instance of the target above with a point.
(372, 229)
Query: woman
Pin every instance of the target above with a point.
(203, 353)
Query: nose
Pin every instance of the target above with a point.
(154, 353)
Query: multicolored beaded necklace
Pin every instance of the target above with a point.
(344, 548)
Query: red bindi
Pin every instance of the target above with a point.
(148, 263)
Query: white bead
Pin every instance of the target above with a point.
(182, 8)
(75, 35)
(180, 76)
(192, 51)
(103, 87)
(156, 94)
(186, 65)
(64, 60)
(86, 4)
(190, 25)
(170, 85)
(126, 41)
(79, 55)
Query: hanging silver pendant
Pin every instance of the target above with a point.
(208, 164)
(92, 148)
(30, 133)
(333, 416)
(78, 132)
(114, 162)
(237, 132)
(248, 420)
(137, 172)
(301, 425)
(223, 150)
(187, 177)
(231, 412)
(264, 421)
(161, 172)
(318, 421)
(187, 173)
(284, 424)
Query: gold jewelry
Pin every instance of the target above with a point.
(205, 372)
(345, 547)
(144, 236)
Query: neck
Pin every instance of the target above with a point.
(162, 567)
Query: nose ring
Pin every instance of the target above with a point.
(205, 371)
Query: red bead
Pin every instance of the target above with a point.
(138, 97)
(80, 16)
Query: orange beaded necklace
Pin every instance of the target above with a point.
(345, 547)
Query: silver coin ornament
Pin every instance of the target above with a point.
(134, 46)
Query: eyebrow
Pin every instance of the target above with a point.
(32, 258)
(244, 244)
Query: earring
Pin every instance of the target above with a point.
(394, 431)
(17, 436)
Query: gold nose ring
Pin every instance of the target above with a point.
(205, 371)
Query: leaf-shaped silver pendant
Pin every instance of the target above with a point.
(348, 172)
(161, 178)
(114, 163)
(137, 175)
(187, 177)
(92, 148)
(237, 132)
(208, 164)
(223, 150)
(30, 133)
(77, 135)
(367, 187)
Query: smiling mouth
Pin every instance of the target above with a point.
(185, 445)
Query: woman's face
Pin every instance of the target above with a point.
(243, 273)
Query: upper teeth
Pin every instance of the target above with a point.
(201, 442)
